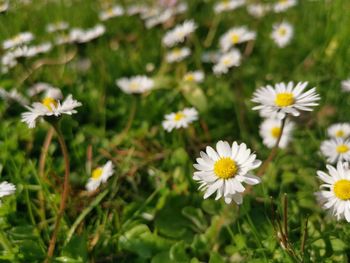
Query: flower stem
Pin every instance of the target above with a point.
(64, 193)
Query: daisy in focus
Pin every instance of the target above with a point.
(136, 84)
(20, 39)
(227, 61)
(336, 150)
(6, 189)
(114, 11)
(282, 33)
(177, 54)
(285, 99)
(228, 5)
(49, 107)
(335, 191)
(270, 130)
(339, 130)
(223, 171)
(180, 119)
(99, 176)
(179, 33)
(283, 5)
(345, 85)
(236, 36)
(194, 76)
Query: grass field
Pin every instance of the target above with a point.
(150, 209)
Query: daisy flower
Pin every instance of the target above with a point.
(84, 36)
(258, 10)
(335, 192)
(136, 84)
(180, 119)
(283, 5)
(228, 5)
(194, 76)
(227, 61)
(13, 95)
(345, 85)
(20, 39)
(236, 36)
(339, 130)
(57, 26)
(270, 130)
(223, 171)
(285, 99)
(336, 150)
(6, 189)
(282, 33)
(114, 11)
(99, 176)
(31, 51)
(49, 107)
(177, 54)
(179, 33)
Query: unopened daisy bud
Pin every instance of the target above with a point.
(285, 99)
(225, 170)
(99, 176)
(49, 107)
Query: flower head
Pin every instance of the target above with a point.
(345, 85)
(223, 171)
(179, 33)
(236, 36)
(285, 99)
(20, 39)
(270, 130)
(57, 26)
(6, 189)
(226, 61)
(194, 76)
(336, 150)
(258, 10)
(335, 192)
(283, 5)
(339, 130)
(177, 54)
(136, 84)
(114, 11)
(282, 33)
(180, 119)
(49, 107)
(228, 5)
(99, 176)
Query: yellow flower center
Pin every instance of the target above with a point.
(282, 31)
(339, 133)
(284, 99)
(225, 168)
(110, 11)
(96, 174)
(342, 148)
(226, 61)
(48, 102)
(189, 77)
(342, 189)
(134, 86)
(179, 116)
(235, 38)
(275, 132)
(177, 52)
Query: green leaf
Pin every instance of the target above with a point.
(178, 252)
(195, 96)
(216, 258)
(76, 248)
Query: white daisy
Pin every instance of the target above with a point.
(282, 33)
(159, 18)
(57, 26)
(177, 54)
(236, 36)
(83, 36)
(136, 84)
(99, 176)
(180, 119)
(194, 76)
(227, 61)
(114, 11)
(270, 130)
(335, 192)
(13, 95)
(339, 130)
(336, 150)
(258, 10)
(49, 107)
(285, 99)
(136, 9)
(6, 189)
(228, 5)
(31, 51)
(223, 171)
(345, 85)
(283, 5)
(20, 39)
(179, 33)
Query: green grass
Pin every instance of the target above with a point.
(151, 210)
